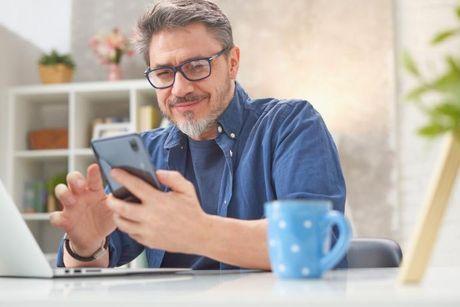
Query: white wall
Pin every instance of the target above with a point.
(17, 56)
(27, 28)
(45, 23)
(417, 21)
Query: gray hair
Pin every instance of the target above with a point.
(170, 14)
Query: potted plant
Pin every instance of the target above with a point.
(56, 68)
(439, 99)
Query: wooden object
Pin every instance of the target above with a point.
(424, 237)
(58, 73)
(48, 139)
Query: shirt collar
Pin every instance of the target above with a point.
(175, 137)
(231, 120)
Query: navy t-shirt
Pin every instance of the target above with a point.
(204, 168)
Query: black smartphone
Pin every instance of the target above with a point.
(126, 152)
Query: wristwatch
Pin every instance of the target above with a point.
(96, 255)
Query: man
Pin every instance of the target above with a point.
(224, 156)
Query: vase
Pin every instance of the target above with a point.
(114, 72)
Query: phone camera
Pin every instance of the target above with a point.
(134, 145)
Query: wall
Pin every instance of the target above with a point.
(337, 56)
(18, 66)
(24, 34)
(417, 22)
(93, 17)
(26, 19)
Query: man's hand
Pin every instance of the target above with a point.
(172, 221)
(85, 216)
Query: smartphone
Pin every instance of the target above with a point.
(126, 152)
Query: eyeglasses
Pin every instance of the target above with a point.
(192, 70)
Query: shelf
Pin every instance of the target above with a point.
(50, 89)
(85, 152)
(42, 154)
(73, 106)
(36, 216)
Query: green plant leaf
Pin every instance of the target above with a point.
(54, 58)
(438, 98)
(410, 65)
(448, 84)
(448, 113)
(444, 35)
(432, 130)
(417, 93)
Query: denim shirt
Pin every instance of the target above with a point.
(273, 149)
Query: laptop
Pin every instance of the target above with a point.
(21, 256)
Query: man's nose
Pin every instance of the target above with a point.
(181, 86)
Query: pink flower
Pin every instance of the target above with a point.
(111, 47)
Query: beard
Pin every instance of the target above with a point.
(196, 127)
(193, 127)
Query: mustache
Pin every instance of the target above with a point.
(186, 99)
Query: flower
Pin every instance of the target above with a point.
(111, 47)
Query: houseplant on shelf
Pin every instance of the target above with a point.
(109, 49)
(439, 99)
(56, 68)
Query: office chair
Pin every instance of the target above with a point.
(373, 253)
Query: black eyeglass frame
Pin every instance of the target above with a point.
(178, 68)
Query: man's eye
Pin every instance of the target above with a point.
(163, 74)
(196, 66)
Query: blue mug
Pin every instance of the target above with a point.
(299, 233)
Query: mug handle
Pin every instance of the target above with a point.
(341, 245)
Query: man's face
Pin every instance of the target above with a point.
(193, 106)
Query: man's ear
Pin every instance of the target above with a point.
(234, 61)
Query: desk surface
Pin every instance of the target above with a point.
(337, 288)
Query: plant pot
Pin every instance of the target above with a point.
(58, 73)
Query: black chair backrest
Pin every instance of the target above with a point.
(373, 253)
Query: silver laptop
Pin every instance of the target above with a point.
(20, 255)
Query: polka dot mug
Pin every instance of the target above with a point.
(299, 236)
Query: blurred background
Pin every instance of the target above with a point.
(343, 56)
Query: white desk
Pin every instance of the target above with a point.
(339, 288)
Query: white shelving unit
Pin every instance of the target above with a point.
(73, 106)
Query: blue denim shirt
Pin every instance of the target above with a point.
(273, 149)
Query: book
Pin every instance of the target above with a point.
(149, 118)
(34, 197)
(28, 198)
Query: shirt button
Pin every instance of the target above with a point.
(182, 147)
(219, 128)
(232, 135)
(231, 153)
